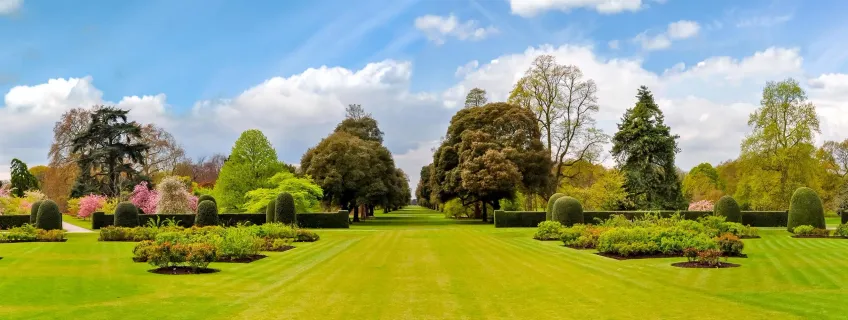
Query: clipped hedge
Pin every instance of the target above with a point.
(13, 221)
(126, 215)
(49, 217)
(324, 220)
(270, 211)
(33, 212)
(728, 208)
(567, 211)
(550, 209)
(805, 208)
(518, 219)
(207, 214)
(765, 218)
(284, 210)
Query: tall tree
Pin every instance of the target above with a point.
(564, 103)
(487, 153)
(360, 124)
(205, 170)
(22, 180)
(702, 183)
(252, 162)
(108, 150)
(779, 150)
(644, 149)
(837, 153)
(39, 172)
(475, 98)
(423, 191)
(71, 124)
(164, 153)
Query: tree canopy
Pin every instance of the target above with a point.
(251, 163)
(476, 98)
(22, 180)
(306, 193)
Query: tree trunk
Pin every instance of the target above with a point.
(355, 213)
(484, 213)
(477, 211)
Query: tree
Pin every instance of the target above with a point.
(306, 193)
(475, 98)
(38, 172)
(251, 163)
(644, 149)
(564, 103)
(62, 170)
(22, 180)
(108, 150)
(422, 190)
(205, 170)
(702, 183)
(779, 150)
(164, 153)
(487, 154)
(595, 186)
(360, 124)
(837, 154)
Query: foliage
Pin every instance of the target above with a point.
(49, 217)
(206, 197)
(455, 209)
(22, 180)
(284, 209)
(207, 214)
(476, 98)
(305, 235)
(126, 215)
(730, 245)
(89, 204)
(805, 208)
(702, 183)
(304, 191)
(174, 198)
(596, 187)
(144, 198)
(703, 205)
(360, 124)
(163, 154)
(59, 181)
(270, 211)
(33, 213)
(841, 230)
(550, 207)
(238, 243)
(107, 150)
(197, 255)
(728, 208)
(548, 230)
(567, 211)
(423, 190)
(252, 161)
(29, 232)
(810, 231)
(644, 149)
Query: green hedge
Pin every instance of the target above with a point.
(844, 216)
(13, 221)
(324, 220)
(765, 218)
(518, 219)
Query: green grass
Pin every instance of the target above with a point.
(414, 264)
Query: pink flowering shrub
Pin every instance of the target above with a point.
(89, 204)
(144, 198)
(703, 205)
(192, 202)
(174, 198)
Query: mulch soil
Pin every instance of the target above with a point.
(696, 264)
(818, 237)
(286, 248)
(653, 256)
(182, 270)
(16, 241)
(248, 259)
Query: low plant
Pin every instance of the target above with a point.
(730, 245)
(810, 231)
(275, 231)
(29, 233)
(55, 235)
(238, 243)
(304, 235)
(841, 230)
(277, 244)
(548, 230)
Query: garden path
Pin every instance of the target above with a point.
(74, 229)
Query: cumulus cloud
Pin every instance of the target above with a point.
(679, 30)
(10, 6)
(439, 28)
(530, 8)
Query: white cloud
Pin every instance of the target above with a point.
(530, 8)
(10, 6)
(763, 21)
(679, 30)
(613, 44)
(439, 28)
(466, 68)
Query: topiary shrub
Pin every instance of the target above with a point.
(33, 212)
(567, 211)
(551, 201)
(126, 215)
(49, 217)
(207, 214)
(284, 211)
(270, 211)
(206, 197)
(805, 208)
(728, 208)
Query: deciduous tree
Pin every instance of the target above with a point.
(251, 163)
(476, 98)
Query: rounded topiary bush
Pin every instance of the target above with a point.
(126, 215)
(206, 197)
(49, 217)
(551, 201)
(284, 211)
(270, 211)
(207, 214)
(567, 211)
(728, 208)
(805, 208)
(33, 212)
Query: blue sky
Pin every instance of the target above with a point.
(194, 51)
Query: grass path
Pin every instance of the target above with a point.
(414, 264)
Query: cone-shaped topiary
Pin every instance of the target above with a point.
(270, 211)
(33, 212)
(126, 215)
(207, 214)
(567, 211)
(728, 208)
(49, 217)
(206, 197)
(284, 209)
(551, 201)
(805, 208)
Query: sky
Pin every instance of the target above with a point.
(208, 70)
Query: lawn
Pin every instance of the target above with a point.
(414, 264)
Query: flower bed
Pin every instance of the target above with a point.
(807, 231)
(29, 233)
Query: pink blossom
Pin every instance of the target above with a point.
(144, 198)
(703, 205)
(89, 204)
(192, 202)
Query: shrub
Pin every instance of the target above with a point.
(89, 204)
(567, 211)
(55, 235)
(126, 215)
(49, 217)
(144, 198)
(206, 197)
(805, 208)
(810, 231)
(304, 235)
(33, 211)
(728, 208)
(276, 231)
(284, 211)
(550, 208)
(548, 230)
(173, 197)
(207, 214)
(730, 245)
(278, 244)
(167, 254)
(26, 232)
(709, 257)
(142, 250)
(841, 230)
(238, 243)
(270, 211)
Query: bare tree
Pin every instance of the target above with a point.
(164, 153)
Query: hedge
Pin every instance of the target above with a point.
(844, 216)
(518, 219)
(312, 220)
(13, 221)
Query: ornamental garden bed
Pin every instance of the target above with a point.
(696, 264)
(37, 240)
(808, 231)
(182, 270)
(243, 259)
(29, 233)
(657, 256)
